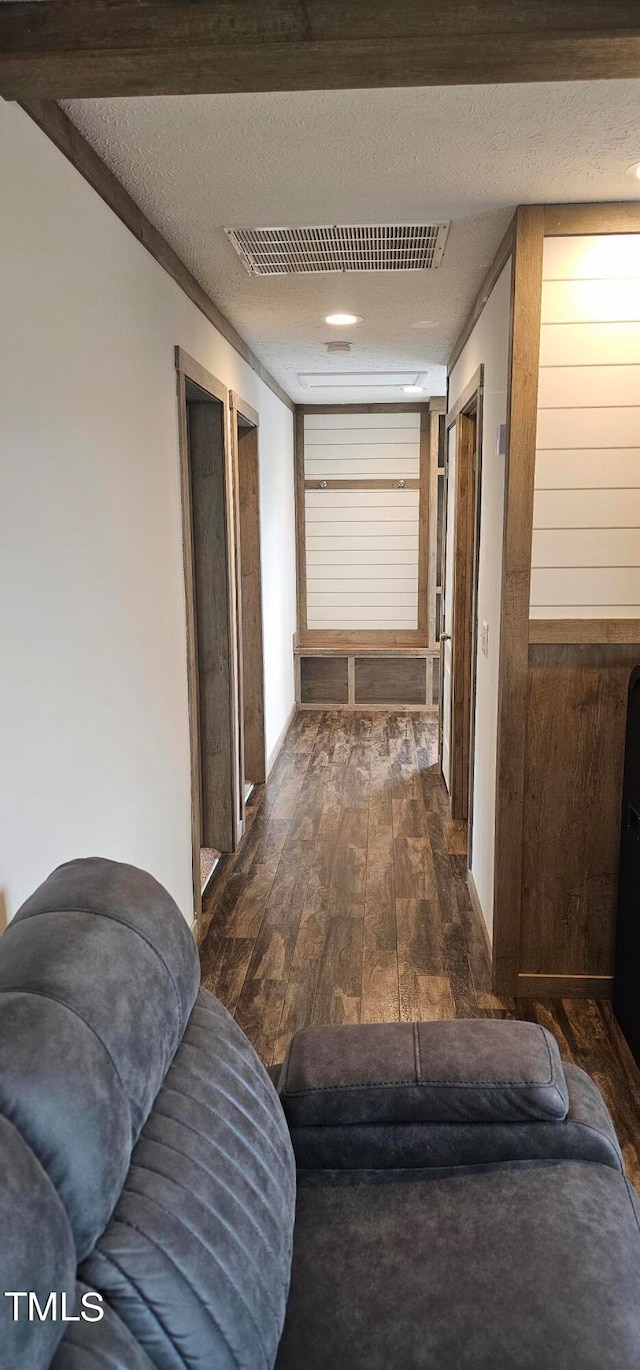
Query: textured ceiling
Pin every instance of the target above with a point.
(198, 164)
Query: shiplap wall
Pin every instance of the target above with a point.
(362, 545)
(586, 539)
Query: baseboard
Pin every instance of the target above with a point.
(278, 744)
(565, 986)
(477, 908)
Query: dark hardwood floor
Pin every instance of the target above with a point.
(348, 902)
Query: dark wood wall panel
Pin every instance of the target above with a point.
(390, 680)
(576, 718)
(324, 680)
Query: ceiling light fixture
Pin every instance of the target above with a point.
(341, 320)
(634, 171)
(412, 389)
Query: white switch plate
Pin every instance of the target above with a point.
(484, 639)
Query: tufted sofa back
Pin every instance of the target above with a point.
(143, 1121)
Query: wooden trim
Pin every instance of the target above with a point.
(301, 534)
(497, 266)
(191, 643)
(389, 483)
(594, 630)
(364, 637)
(245, 410)
(466, 398)
(423, 523)
(59, 128)
(188, 369)
(477, 908)
(622, 216)
(251, 647)
(475, 579)
(432, 544)
(354, 649)
(351, 679)
(237, 639)
(165, 47)
(461, 634)
(526, 290)
(193, 371)
(564, 986)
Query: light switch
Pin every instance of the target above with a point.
(484, 639)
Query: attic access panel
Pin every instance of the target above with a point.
(339, 247)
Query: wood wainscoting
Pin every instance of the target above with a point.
(355, 676)
(574, 754)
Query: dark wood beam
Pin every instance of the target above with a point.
(84, 48)
(54, 122)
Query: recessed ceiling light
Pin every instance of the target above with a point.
(412, 389)
(340, 320)
(634, 171)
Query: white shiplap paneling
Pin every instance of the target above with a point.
(586, 541)
(590, 344)
(362, 545)
(585, 386)
(614, 426)
(584, 468)
(586, 509)
(380, 423)
(582, 301)
(592, 256)
(580, 547)
(587, 585)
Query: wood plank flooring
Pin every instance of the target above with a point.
(348, 902)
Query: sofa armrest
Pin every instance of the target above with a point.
(462, 1070)
(442, 1094)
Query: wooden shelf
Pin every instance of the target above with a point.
(357, 649)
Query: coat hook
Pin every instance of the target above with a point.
(323, 484)
(401, 485)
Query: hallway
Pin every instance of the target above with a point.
(348, 902)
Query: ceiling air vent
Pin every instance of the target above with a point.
(339, 345)
(339, 247)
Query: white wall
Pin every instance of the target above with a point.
(488, 346)
(94, 748)
(586, 538)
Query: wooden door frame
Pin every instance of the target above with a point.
(466, 509)
(188, 369)
(249, 569)
(365, 637)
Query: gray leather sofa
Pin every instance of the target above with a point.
(461, 1198)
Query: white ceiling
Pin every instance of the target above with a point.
(198, 164)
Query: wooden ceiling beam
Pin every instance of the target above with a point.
(56, 49)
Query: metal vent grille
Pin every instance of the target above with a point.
(339, 247)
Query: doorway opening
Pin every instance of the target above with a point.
(245, 436)
(211, 604)
(459, 638)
